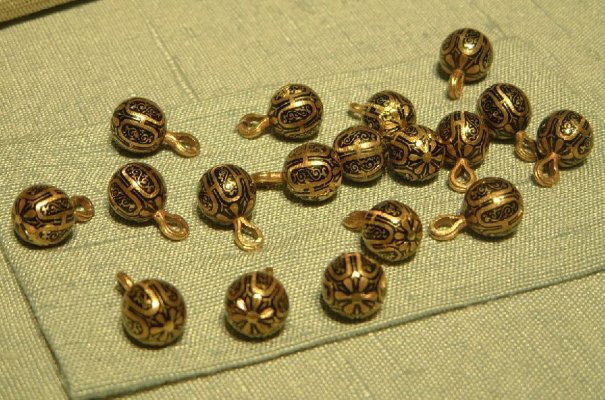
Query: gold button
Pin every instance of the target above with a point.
(226, 196)
(414, 153)
(564, 140)
(153, 311)
(44, 215)
(139, 126)
(390, 230)
(466, 140)
(295, 113)
(505, 109)
(466, 55)
(137, 193)
(256, 305)
(493, 207)
(385, 111)
(354, 286)
(362, 153)
(312, 172)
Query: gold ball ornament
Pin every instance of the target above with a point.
(386, 111)
(505, 109)
(153, 311)
(362, 153)
(414, 153)
(312, 172)
(295, 112)
(44, 215)
(227, 196)
(466, 140)
(391, 230)
(139, 126)
(137, 193)
(466, 55)
(564, 140)
(354, 286)
(256, 305)
(493, 207)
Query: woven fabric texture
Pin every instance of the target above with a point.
(11, 9)
(545, 344)
(57, 132)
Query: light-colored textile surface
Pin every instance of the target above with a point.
(11, 9)
(544, 344)
(207, 65)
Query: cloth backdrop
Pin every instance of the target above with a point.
(207, 65)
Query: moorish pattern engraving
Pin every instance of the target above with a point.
(469, 51)
(256, 305)
(136, 192)
(414, 153)
(226, 193)
(392, 231)
(295, 112)
(138, 125)
(153, 313)
(362, 154)
(505, 109)
(313, 172)
(354, 286)
(493, 207)
(464, 135)
(566, 133)
(387, 110)
(43, 215)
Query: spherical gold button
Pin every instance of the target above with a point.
(295, 113)
(227, 196)
(564, 140)
(505, 109)
(153, 311)
(256, 305)
(312, 172)
(354, 286)
(137, 193)
(362, 153)
(139, 126)
(390, 230)
(385, 111)
(466, 140)
(466, 55)
(414, 153)
(43, 215)
(493, 207)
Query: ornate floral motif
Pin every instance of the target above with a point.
(468, 50)
(153, 313)
(354, 286)
(313, 172)
(256, 305)
(465, 136)
(138, 125)
(362, 153)
(392, 231)
(493, 207)
(414, 153)
(505, 109)
(566, 133)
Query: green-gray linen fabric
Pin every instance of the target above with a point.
(11, 9)
(207, 65)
